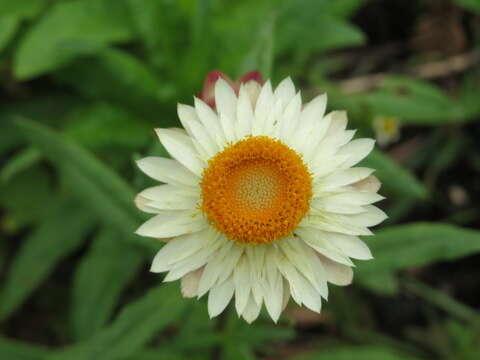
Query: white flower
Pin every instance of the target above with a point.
(260, 201)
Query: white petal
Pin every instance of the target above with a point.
(251, 311)
(314, 239)
(197, 260)
(241, 279)
(313, 127)
(244, 114)
(215, 268)
(373, 216)
(143, 204)
(189, 283)
(346, 224)
(289, 119)
(299, 258)
(343, 177)
(371, 184)
(357, 150)
(204, 143)
(274, 298)
(253, 89)
(167, 171)
(172, 223)
(302, 291)
(181, 148)
(285, 91)
(264, 104)
(337, 274)
(180, 248)
(256, 260)
(349, 202)
(350, 245)
(225, 99)
(168, 197)
(219, 297)
(210, 120)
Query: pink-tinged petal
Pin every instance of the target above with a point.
(189, 283)
(208, 92)
(370, 184)
(251, 76)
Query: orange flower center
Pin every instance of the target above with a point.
(256, 191)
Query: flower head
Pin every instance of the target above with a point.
(260, 200)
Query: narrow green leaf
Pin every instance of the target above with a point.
(93, 183)
(385, 283)
(367, 352)
(261, 56)
(8, 27)
(473, 5)
(62, 232)
(16, 350)
(135, 326)
(121, 78)
(414, 101)
(19, 162)
(395, 179)
(22, 9)
(443, 301)
(23, 200)
(68, 30)
(417, 244)
(91, 126)
(104, 272)
(310, 26)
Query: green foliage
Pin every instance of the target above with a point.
(415, 102)
(357, 353)
(86, 26)
(84, 82)
(63, 230)
(134, 327)
(15, 350)
(102, 274)
(395, 179)
(432, 242)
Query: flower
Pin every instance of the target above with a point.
(250, 80)
(387, 130)
(260, 200)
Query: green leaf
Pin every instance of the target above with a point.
(19, 162)
(303, 30)
(92, 181)
(101, 276)
(8, 28)
(121, 78)
(68, 30)
(368, 352)
(22, 9)
(16, 350)
(23, 200)
(154, 21)
(91, 126)
(395, 179)
(384, 283)
(260, 57)
(62, 232)
(417, 244)
(135, 326)
(415, 101)
(473, 5)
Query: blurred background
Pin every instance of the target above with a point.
(84, 82)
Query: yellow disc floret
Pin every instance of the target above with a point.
(256, 191)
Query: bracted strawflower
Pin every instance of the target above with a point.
(260, 200)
